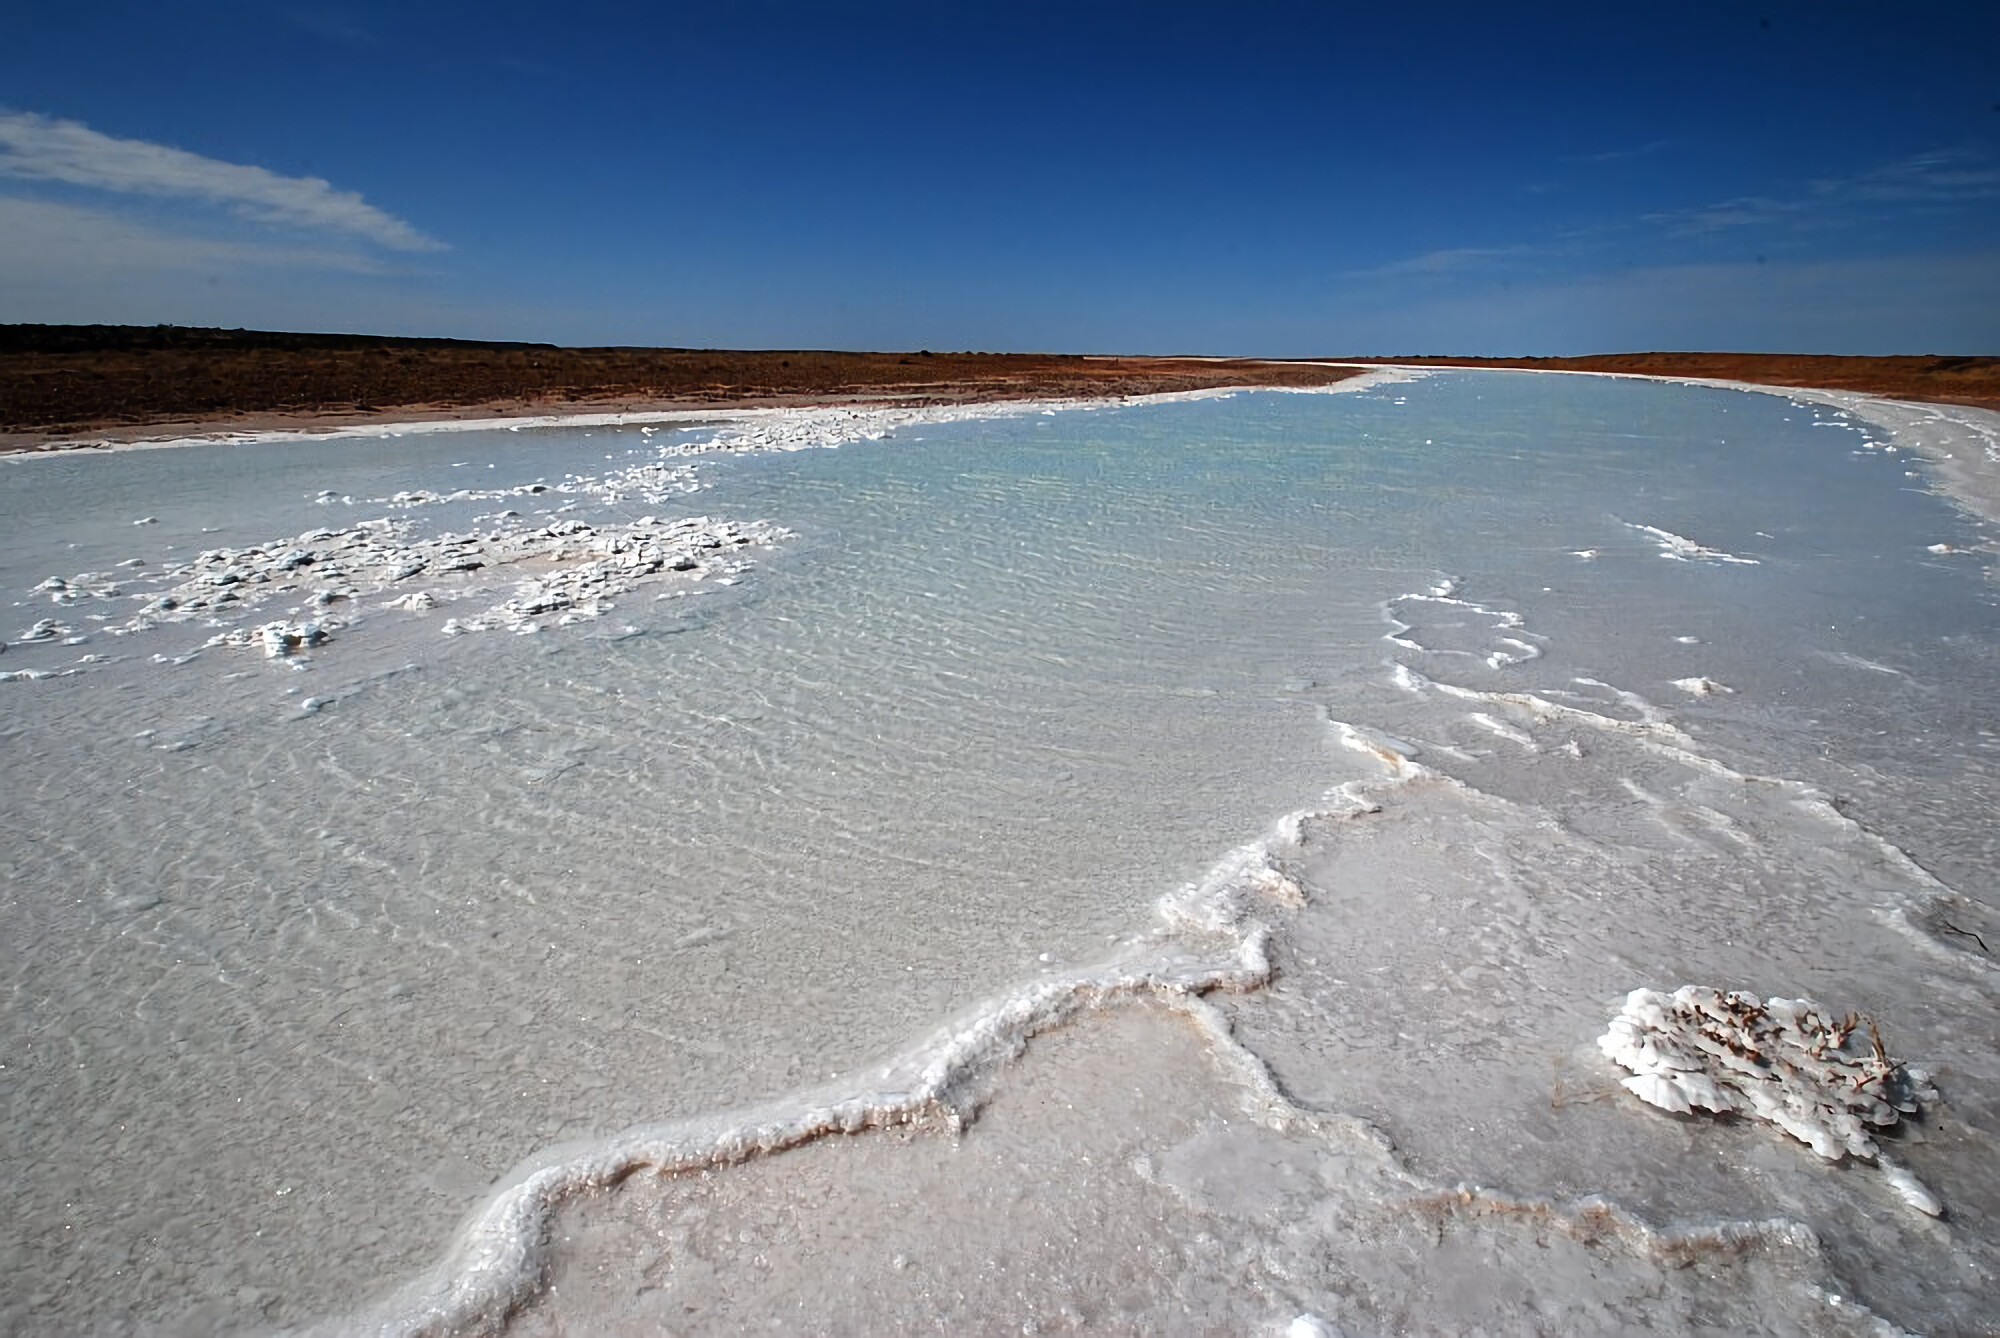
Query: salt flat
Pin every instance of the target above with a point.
(1304, 780)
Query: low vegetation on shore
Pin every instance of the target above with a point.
(67, 379)
(63, 380)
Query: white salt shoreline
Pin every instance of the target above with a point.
(821, 423)
(1962, 442)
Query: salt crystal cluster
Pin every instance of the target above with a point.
(564, 568)
(1779, 1060)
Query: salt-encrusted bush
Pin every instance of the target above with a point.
(1825, 1081)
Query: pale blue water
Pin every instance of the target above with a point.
(289, 988)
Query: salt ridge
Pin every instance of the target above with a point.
(1680, 548)
(1214, 936)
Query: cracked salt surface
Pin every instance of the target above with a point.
(915, 897)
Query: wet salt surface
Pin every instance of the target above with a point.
(1124, 1181)
(307, 951)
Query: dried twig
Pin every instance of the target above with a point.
(1951, 928)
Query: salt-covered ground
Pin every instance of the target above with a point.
(846, 906)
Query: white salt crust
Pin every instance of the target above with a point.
(1214, 937)
(1826, 1081)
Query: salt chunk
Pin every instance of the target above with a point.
(1827, 1082)
(1656, 1090)
(1911, 1189)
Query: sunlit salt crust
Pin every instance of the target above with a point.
(1213, 935)
(1508, 642)
(1680, 548)
(1783, 1061)
(1655, 730)
(564, 570)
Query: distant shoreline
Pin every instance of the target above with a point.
(1973, 382)
(79, 387)
(67, 387)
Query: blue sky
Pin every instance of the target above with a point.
(1285, 180)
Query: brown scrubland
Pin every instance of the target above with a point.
(59, 383)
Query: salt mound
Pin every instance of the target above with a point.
(279, 639)
(1779, 1060)
(1703, 687)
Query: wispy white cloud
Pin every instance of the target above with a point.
(331, 21)
(1940, 178)
(1741, 212)
(65, 263)
(48, 238)
(1646, 150)
(1450, 260)
(41, 148)
(1927, 303)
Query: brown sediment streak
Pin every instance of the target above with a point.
(1593, 1220)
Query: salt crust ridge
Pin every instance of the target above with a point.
(1680, 548)
(1510, 646)
(1657, 732)
(1214, 936)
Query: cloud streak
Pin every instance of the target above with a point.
(40, 148)
(1939, 179)
(1432, 264)
(46, 237)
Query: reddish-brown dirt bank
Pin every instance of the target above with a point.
(1956, 380)
(58, 381)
